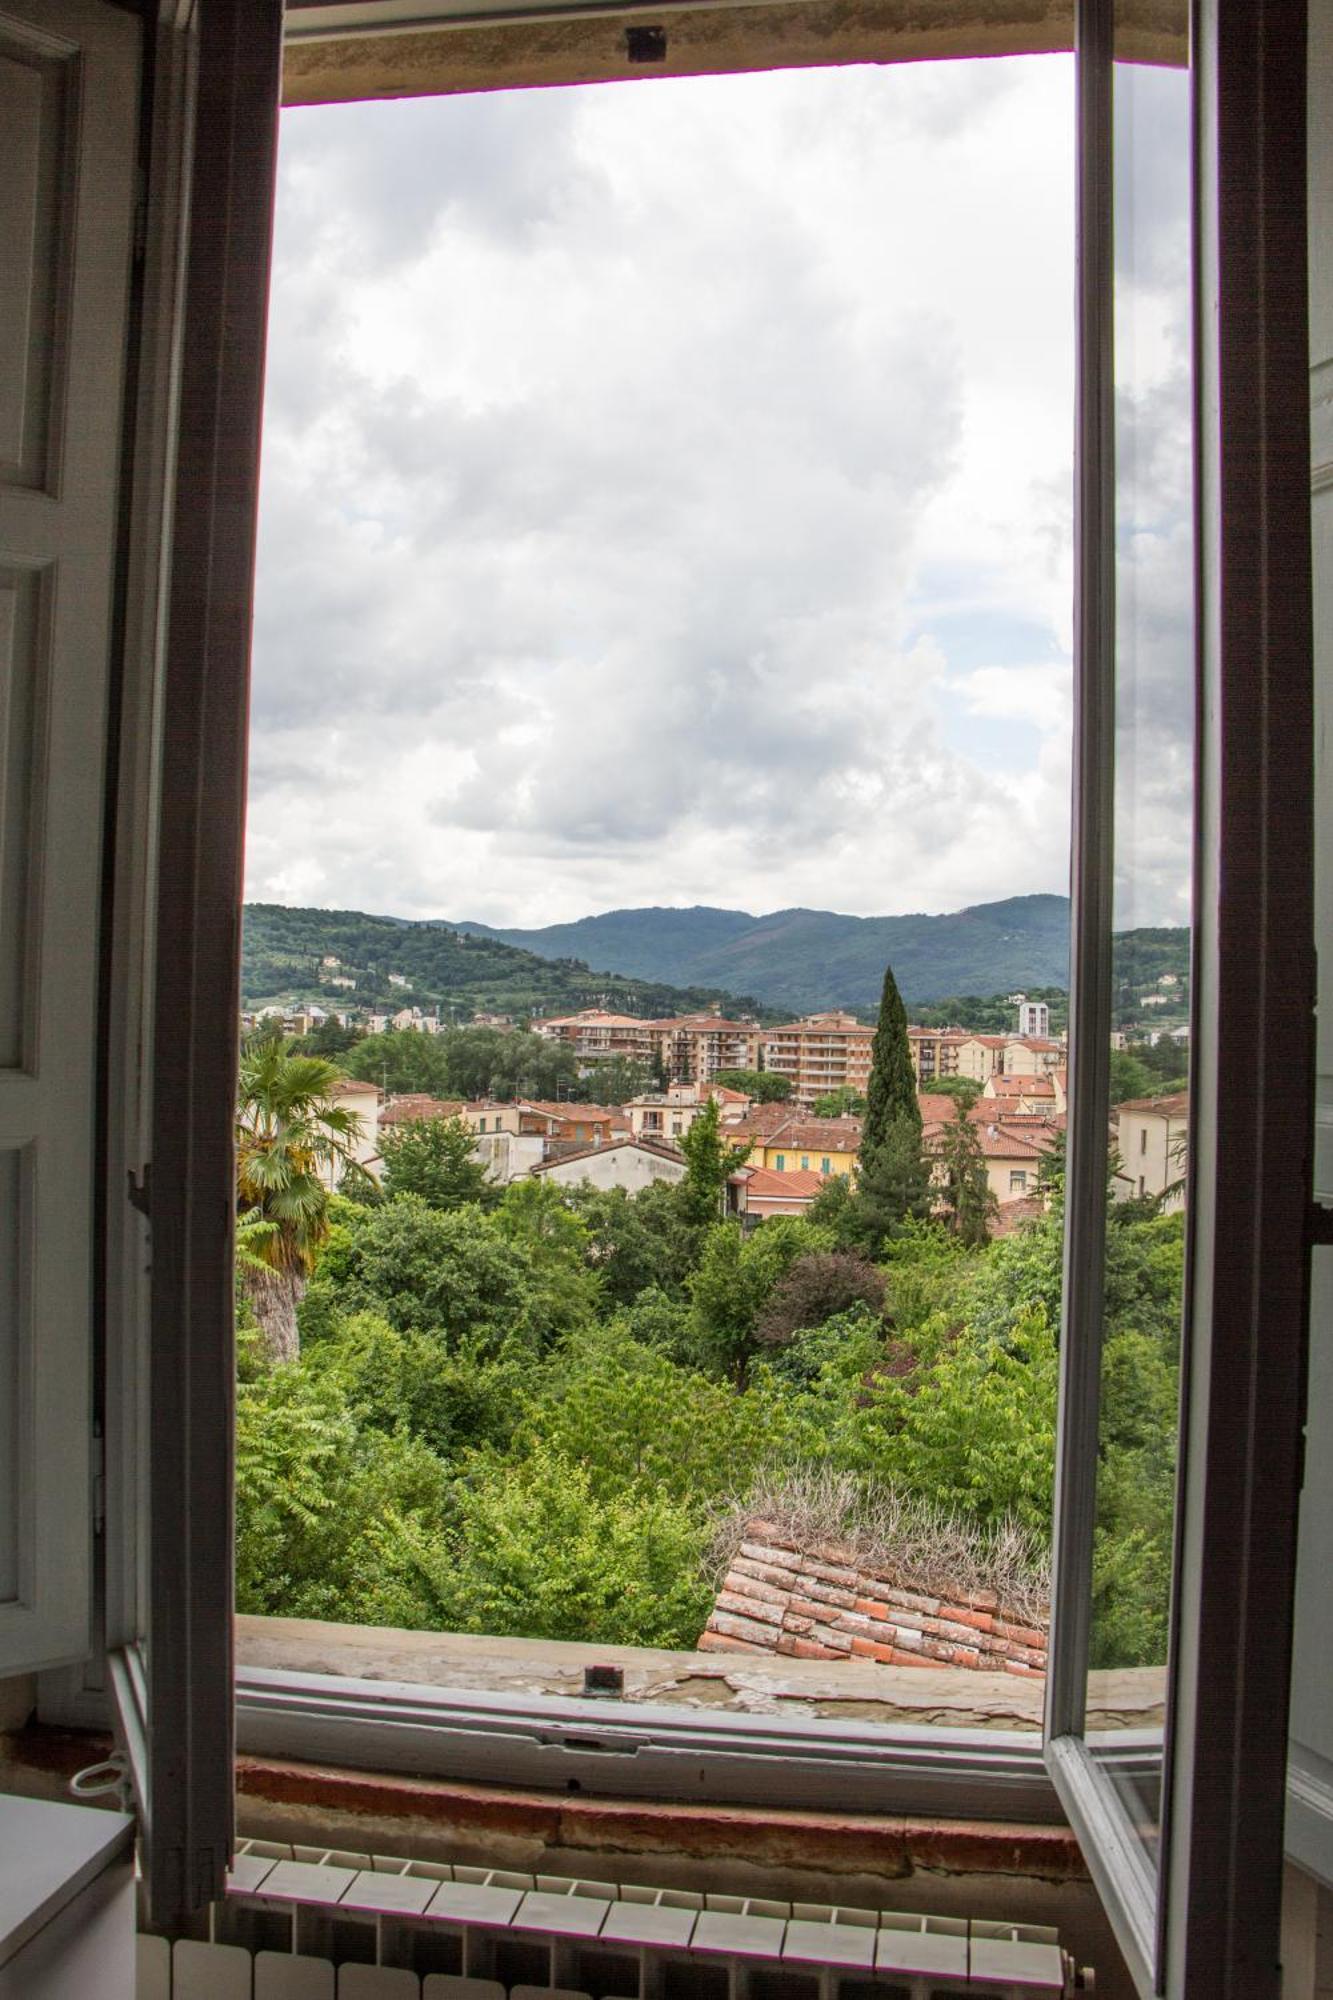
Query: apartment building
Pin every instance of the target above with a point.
(820, 1053)
(934, 1053)
(693, 1048)
(1034, 1017)
(1034, 1055)
(596, 1035)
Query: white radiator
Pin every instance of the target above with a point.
(304, 1924)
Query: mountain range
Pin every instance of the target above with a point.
(807, 959)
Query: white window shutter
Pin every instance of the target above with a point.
(69, 74)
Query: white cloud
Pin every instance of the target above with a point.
(611, 437)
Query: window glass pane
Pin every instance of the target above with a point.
(1154, 800)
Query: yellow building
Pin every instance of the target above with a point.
(827, 1146)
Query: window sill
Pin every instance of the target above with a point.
(736, 1683)
(692, 1727)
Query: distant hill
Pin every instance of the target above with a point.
(283, 953)
(806, 959)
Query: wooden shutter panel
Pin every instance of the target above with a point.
(68, 114)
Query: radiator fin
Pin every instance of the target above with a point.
(304, 1923)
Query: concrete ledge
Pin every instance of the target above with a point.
(744, 1684)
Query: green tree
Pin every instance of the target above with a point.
(710, 1160)
(1129, 1077)
(641, 1242)
(973, 1430)
(435, 1158)
(969, 1204)
(892, 1189)
(615, 1081)
(555, 1237)
(330, 1038)
(731, 1287)
(815, 1288)
(289, 1136)
(765, 1086)
(891, 1090)
(891, 1184)
(844, 1102)
(834, 1210)
(449, 1274)
(401, 1061)
(311, 1483)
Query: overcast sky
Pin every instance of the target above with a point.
(667, 499)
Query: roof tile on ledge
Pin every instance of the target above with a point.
(822, 1602)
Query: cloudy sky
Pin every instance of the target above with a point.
(667, 500)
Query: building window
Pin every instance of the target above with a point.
(824, 1165)
(1018, 1181)
(781, 1163)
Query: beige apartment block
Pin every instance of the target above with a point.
(694, 1047)
(1152, 1134)
(934, 1053)
(1033, 1055)
(979, 1056)
(820, 1053)
(596, 1035)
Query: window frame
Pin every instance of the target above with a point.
(1205, 1923)
(184, 1770)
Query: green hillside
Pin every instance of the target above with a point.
(655, 962)
(805, 959)
(283, 952)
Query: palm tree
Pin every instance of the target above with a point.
(287, 1131)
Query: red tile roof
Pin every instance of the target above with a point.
(1176, 1105)
(767, 1183)
(416, 1105)
(822, 1601)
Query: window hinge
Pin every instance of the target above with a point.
(99, 1479)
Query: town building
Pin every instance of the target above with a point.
(595, 1035)
(1034, 1018)
(694, 1047)
(1151, 1143)
(762, 1192)
(631, 1164)
(820, 1053)
(362, 1100)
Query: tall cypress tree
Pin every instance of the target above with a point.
(891, 1092)
(893, 1183)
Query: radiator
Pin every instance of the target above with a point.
(305, 1924)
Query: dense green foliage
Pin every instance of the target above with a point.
(523, 1418)
(434, 1158)
(764, 1086)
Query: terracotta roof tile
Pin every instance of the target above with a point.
(821, 1601)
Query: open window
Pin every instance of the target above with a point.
(1196, 1911)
